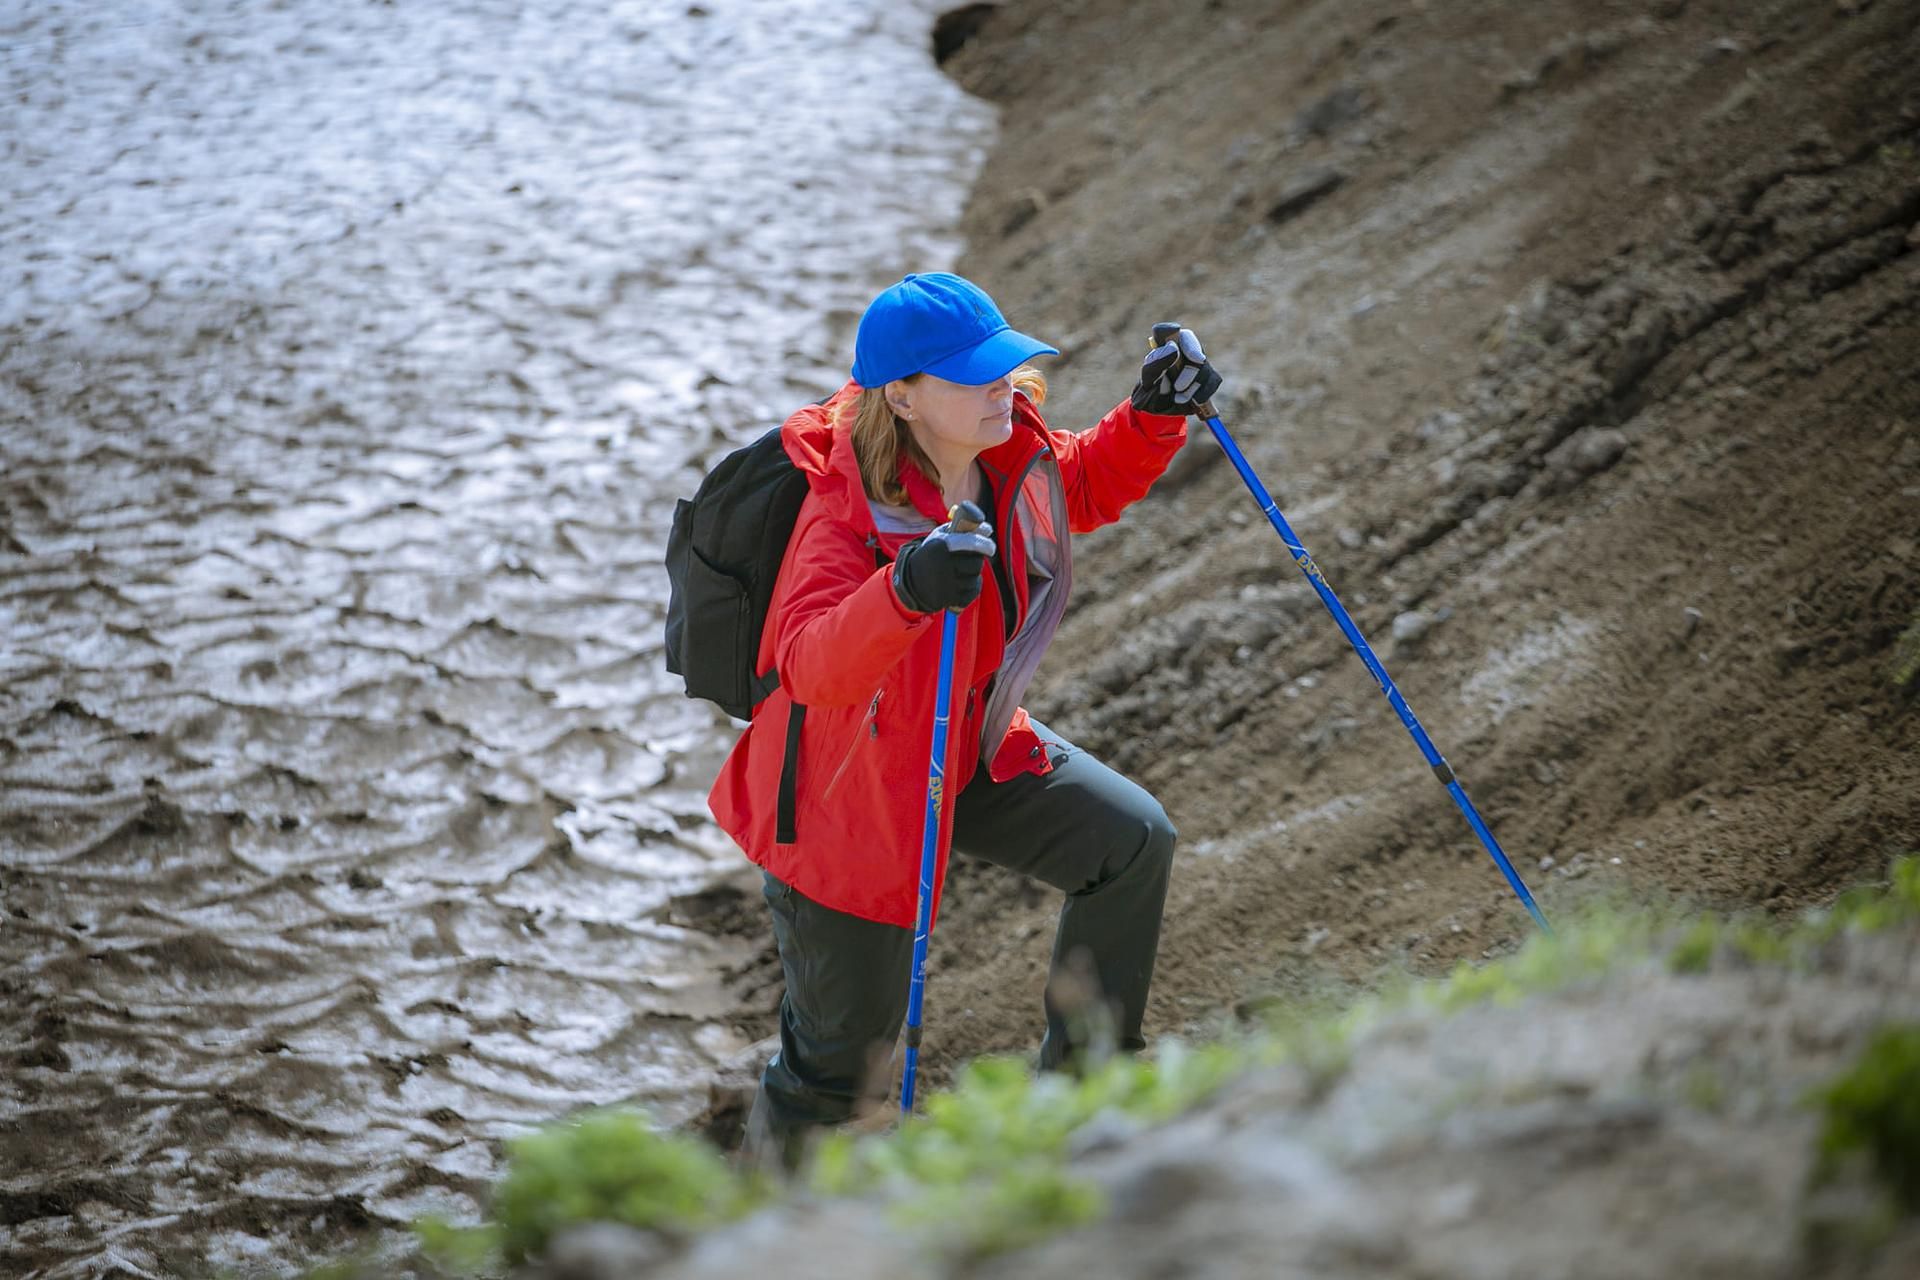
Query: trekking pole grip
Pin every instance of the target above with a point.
(965, 517)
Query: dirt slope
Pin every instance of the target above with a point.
(1585, 334)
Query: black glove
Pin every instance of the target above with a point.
(943, 569)
(1176, 378)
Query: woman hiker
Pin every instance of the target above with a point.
(826, 790)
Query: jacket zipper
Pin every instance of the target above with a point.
(872, 727)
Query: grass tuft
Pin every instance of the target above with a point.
(603, 1166)
(1874, 1108)
(986, 1163)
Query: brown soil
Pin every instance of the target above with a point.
(1584, 331)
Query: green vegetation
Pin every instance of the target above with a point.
(1906, 655)
(605, 1166)
(986, 1163)
(1874, 1108)
(987, 1166)
(1602, 941)
(1866, 909)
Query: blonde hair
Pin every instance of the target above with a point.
(881, 437)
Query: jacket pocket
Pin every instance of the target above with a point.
(869, 731)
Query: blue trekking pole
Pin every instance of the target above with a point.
(965, 518)
(1165, 333)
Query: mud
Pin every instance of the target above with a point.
(349, 359)
(1590, 386)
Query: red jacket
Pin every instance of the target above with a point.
(846, 829)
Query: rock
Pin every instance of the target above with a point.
(1435, 425)
(802, 1240)
(1303, 193)
(1109, 1129)
(1689, 622)
(604, 1251)
(1327, 732)
(954, 28)
(1450, 1206)
(1341, 107)
(1647, 340)
(1411, 627)
(1024, 208)
(1164, 1188)
(1586, 454)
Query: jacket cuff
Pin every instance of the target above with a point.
(1157, 426)
(899, 605)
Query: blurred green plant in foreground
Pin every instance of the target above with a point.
(1874, 1108)
(603, 1166)
(987, 1167)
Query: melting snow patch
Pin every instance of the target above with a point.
(1280, 830)
(1512, 676)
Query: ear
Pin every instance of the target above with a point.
(899, 398)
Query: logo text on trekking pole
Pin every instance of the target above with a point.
(1307, 566)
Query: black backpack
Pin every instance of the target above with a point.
(723, 555)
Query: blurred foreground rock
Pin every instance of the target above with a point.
(1649, 1126)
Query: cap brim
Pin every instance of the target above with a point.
(990, 359)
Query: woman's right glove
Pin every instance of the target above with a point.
(1175, 379)
(943, 569)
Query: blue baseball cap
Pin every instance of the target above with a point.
(941, 324)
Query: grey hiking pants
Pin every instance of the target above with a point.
(1082, 828)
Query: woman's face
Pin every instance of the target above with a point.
(951, 416)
